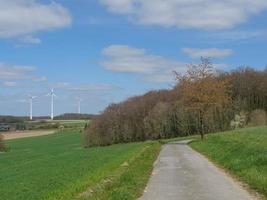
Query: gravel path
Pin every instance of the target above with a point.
(180, 173)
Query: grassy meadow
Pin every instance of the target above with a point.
(242, 152)
(58, 167)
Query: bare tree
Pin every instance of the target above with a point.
(202, 91)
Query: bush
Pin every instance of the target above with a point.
(98, 134)
(239, 121)
(257, 118)
(2, 145)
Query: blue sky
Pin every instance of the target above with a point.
(107, 50)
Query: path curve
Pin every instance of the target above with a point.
(180, 173)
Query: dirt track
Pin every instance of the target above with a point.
(23, 134)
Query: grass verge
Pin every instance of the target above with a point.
(242, 152)
(128, 181)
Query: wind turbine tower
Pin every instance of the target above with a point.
(31, 98)
(52, 95)
(79, 105)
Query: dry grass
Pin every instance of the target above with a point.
(23, 134)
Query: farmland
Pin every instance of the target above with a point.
(58, 167)
(242, 152)
(43, 127)
(55, 124)
(23, 134)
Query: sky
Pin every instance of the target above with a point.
(105, 51)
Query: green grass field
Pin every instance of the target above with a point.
(242, 152)
(58, 167)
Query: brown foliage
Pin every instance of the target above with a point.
(249, 88)
(203, 92)
(157, 122)
(124, 122)
(203, 101)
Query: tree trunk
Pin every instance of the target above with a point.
(201, 125)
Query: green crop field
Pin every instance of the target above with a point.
(242, 152)
(54, 124)
(58, 167)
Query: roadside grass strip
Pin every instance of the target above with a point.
(241, 152)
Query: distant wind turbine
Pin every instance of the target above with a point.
(31, 98)
(79, 104)
(52, 95)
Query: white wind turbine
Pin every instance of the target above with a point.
(31, 98)
(79, 104)
(52, 95)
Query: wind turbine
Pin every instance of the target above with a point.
(31, 98)
(79, 104)
(52, 95)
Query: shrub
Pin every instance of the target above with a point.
(61, 128)
(98, 134)
(257, 118)
(2, 145)
(239, 121)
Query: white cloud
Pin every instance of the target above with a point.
(234, 35)
(122, 58)
(84, 87)
(208, 53)
(10, 84)
(40, 79)
(200, 14)
(152, 68)
(12, 72)
(17, 72)
(21, 17)
(30, 40)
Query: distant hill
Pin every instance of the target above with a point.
(11, 119)
(66, 116)
(74, 116)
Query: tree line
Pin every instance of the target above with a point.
(74, 116)
(203, 101)
(65, 116)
